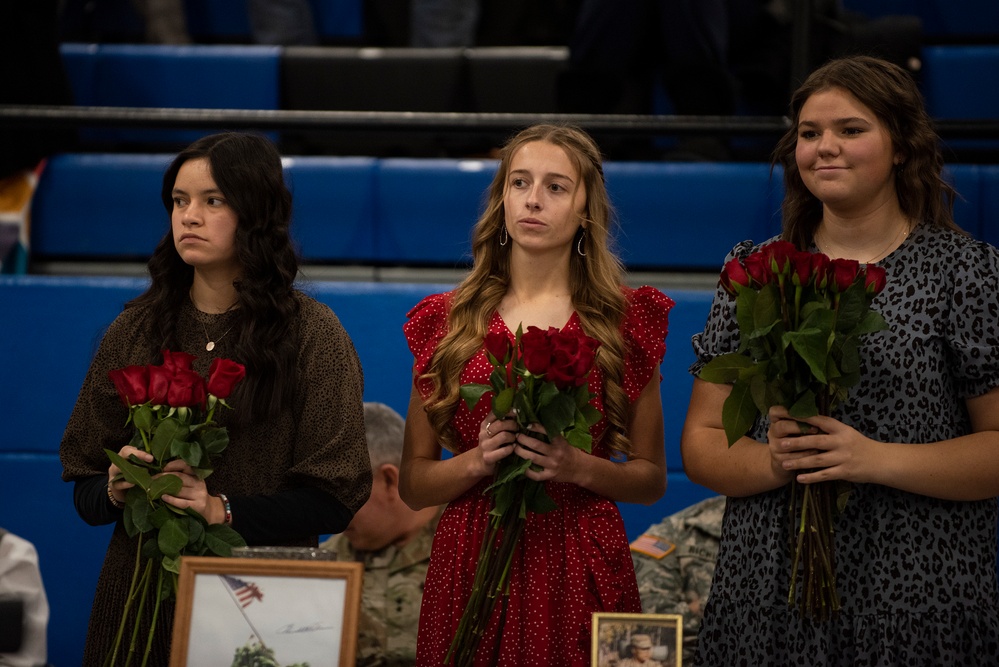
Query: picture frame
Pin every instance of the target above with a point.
(292, 611)
(613, 635)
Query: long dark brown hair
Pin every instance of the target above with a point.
(892, 95)
(247, 169)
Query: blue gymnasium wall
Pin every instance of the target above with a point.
(49, 329)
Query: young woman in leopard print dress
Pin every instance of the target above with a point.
(918, 438)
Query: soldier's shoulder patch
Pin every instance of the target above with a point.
(653, 545)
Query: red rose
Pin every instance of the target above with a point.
(159, 384)
(802, 268)
(187, 390)
(132, 383)
(820, 270)
(498, 345)
(536, 350)
(778, 255)
(176, 361)
(572, 359)
(734, 276)
(844, 272)
(758, 268)
(223, 376)
(874, 279)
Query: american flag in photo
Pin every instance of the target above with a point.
(245, 592)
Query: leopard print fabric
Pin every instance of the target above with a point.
(916, 575)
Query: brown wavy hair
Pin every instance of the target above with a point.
(596, 283)
(247, 169)
(891, 93)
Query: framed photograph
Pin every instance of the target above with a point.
(649, 640)
(248, 611)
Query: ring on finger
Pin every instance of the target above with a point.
(488, 432)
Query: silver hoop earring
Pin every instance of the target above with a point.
(579, 244)
(504, 236)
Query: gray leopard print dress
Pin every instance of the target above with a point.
(916, 575)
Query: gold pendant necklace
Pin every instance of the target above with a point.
(903, 232)
(210, 345)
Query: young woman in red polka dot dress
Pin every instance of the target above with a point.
(541, 258)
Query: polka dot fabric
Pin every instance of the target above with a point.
(572, 561)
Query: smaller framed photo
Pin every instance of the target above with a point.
(632, 640)
(266, 611)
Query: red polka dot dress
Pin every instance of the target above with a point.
(571, 562)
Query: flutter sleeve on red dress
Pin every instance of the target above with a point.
(425, 327)
(645, 326)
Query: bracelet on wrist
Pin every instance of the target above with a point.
(228, 509)
(114, 501)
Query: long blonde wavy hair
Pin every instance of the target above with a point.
(596, 283)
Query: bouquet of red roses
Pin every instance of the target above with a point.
(801, 316)
(541, 379)
(172, 409)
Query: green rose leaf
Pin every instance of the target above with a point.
(536, 499)
(812, 345)
(214, 440)
(805, 406)
(165, 434)
(171, 564)
(725, 368)
(173, 536)
(150, 550)
(167, 484)
(503, 403)
(580, 438)
(559, 414)
(471, 393)
(143, 417)
(220, 539)
(590, 414)
(738, 413)
(852, 306)
(192, 453)
(134, 474)
(872, 322)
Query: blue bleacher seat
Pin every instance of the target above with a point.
(941, 18)
(662, 208)
(427, 207)
(334, 208)
(686, 215)
(961, 81)
(421, 211)
(90, 206)
(99, 205)
(157, 75)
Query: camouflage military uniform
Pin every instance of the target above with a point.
(675, 561)
(390, 601)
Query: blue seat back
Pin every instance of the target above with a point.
(159, 75)
(688, 216)
(334, 208)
